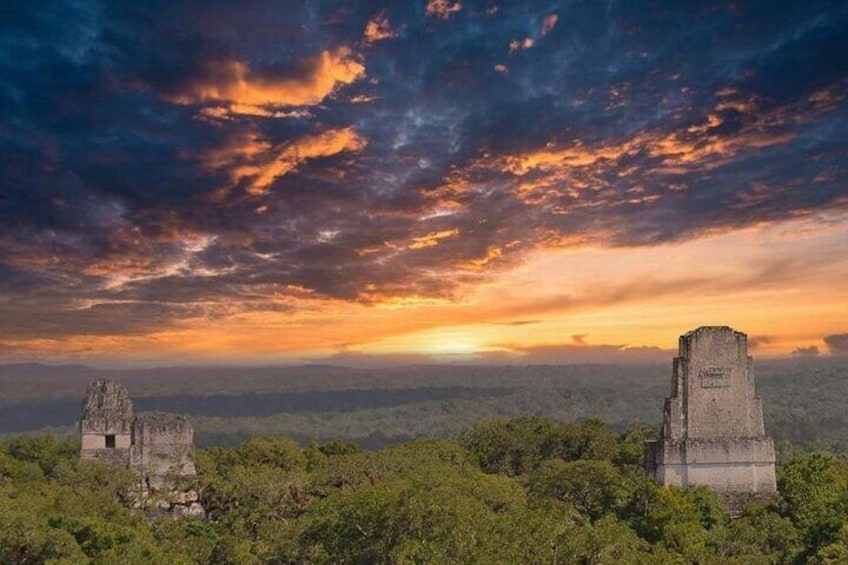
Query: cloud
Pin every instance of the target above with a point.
(442, 9)
(563, 354)
(493, 253)
(548, 24)
(579, 339)
(755, 342)
(357, 359)
(518, 323)
(378, 28)
(519, 44)
(837, 343)
(253, 92)
(556, 354)
(432, 238)
(673, 153)
(363, 99)
(255, 164)
(811, 351)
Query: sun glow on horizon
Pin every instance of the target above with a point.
(784, 298)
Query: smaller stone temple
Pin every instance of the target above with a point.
(712, 432)
(160, 447)
(106, 423)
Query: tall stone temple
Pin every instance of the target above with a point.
(712, 432)
(159, 447)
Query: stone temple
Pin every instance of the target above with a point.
(159, 447)
(106, 423)
(712, 432)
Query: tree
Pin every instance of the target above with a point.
(594, 488)
(631, 444)
(814, 497)
(666, 508)
(509, 447)
(759, 535)
(280, 452)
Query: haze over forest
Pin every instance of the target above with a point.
(373, 407)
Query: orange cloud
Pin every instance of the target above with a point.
(378, 28)
(565, 177)
(578, 169)
(250, 92)
(525, 43)
(432, 238)
(548, 24)
(258, 163)
(225, 113)
(129, 254)
(492, 253)
(442, 9)
(575, 156)
(245, 146)
(363, 99)
(326, 144)
(648, 292)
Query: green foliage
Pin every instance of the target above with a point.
(280, 452)
(836, 551)
(509, 447)
(757, 536)
(594, 488)
(815, 496)
(507, 491)
(631, 445)
(517, 447)
(418, 502)
(339, 447)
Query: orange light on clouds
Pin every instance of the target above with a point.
(432, 239)
(782, 283)
(442, 9)
(378, 28)
(249, 157)
(250, 92)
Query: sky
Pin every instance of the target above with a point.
(421, 180)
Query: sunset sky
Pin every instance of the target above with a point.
(410, 181)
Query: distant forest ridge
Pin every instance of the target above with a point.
(803, 399)
(36, 381)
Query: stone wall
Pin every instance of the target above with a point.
(725, 465)
(163, 448)
(719, 385)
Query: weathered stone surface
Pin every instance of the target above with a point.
(185, 497)
(106, 422)
(193, 509)
(163, 449)
(713, 432)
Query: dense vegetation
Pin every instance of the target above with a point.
(527, 490)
